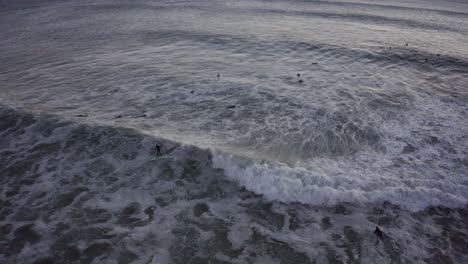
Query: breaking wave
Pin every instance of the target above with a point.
(324, 182)
(330, 186)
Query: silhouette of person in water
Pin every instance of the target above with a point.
(378, 233)
(157, 149)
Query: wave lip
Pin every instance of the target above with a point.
(277, 181)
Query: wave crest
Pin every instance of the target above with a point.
(278, 181)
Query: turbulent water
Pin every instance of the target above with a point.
(326, 119)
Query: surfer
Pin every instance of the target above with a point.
(378, 233)
(157, 149)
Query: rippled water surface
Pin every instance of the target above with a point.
(326, 119)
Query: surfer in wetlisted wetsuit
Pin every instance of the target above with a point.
(157, 149)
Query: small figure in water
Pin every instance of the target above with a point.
(389, 48)
(218, 76)
(406, 45)
(300, 81)
(157, 149)
(378, 233)
(298, 75)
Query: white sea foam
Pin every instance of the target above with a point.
(328, 186)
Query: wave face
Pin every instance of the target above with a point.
(318, 104)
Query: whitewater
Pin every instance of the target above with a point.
(290, 130)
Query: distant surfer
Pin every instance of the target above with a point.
(157, 149)
(218, 76)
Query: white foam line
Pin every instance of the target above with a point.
(277, 181)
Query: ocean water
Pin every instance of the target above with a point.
(327, 119)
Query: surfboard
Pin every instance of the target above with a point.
(158, 157)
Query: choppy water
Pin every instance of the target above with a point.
(264, 166)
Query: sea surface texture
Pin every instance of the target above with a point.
(289, 129)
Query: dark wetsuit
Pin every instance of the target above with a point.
(158, 150)
(378, 233)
